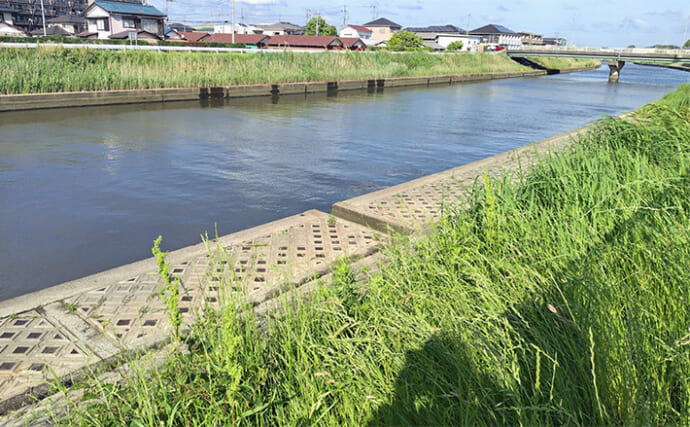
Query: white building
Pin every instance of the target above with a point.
(497, 35)
(469, 43)
(239, 29)
(357, 32)
(107, 18)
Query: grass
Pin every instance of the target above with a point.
(560, 296)
(54, 69)
(556, 63)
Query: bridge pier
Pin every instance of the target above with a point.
(615, 70)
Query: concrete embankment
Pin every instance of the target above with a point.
(64, 332)
(114, 97)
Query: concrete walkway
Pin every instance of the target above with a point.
(62, 332)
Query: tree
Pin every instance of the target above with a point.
(324, 28)
(456, 45)
(402, 40)
(687, 44)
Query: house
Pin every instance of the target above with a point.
(252, 41)
(194, 37)
(382, 30)
(173, 35)
(181, 28)
(356, 31)
(27, 14)
(71, 24)
(353, 43)
(282, 29)
(305, 42)
(531, 38)
(439, 37)
(108, 18)
(10, 30)
(239, 29)
(555, 41)
(494, 35)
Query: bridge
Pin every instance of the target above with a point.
(616, 57)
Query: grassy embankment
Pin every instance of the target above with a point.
(560, 296)
(565, 63)
(50, 69)
(63, 70)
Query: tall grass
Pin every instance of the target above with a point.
(565, 63)
(52, 69)
(560, 296)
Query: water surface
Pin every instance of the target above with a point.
(87, 189)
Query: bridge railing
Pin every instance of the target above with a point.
(603, 50)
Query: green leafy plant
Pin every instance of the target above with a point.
(169, 289)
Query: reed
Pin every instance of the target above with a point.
(54, 69)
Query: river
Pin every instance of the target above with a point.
(87, 189)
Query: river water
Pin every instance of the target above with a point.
(87, 189)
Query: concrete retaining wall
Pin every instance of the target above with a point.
(114, 97)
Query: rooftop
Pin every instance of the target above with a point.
(127, 8)
(383, 22)
(252, 39)
(492, 29)
(445, 29)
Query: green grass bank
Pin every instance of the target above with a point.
(54, 69)
(556, 295)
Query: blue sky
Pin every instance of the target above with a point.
(584, 23)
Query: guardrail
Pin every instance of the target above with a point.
(605, 52)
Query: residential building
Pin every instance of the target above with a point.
(108, 18)
(239, 29)
(531, 39)
(282, 29)
(497, 35)
(173, 35)
(141, 35)
(26, 14)
(356, 31)
(10, 30)
(181, 28)
(555, 41)
(382, 30)
(6, 15)
(439, 37)
(305, 42)
(70, 24)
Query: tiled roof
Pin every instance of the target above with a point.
(445, 29)
(193, 36)
(382, 22)
(350, 42)
(281, 26)
(360, 28)
(239, 38)
(140, 33)
(303, 41)
(492, 29)
(127, 8)
(67, 19)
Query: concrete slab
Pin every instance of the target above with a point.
(60, 331)
(416, 204)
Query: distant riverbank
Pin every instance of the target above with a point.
(53, 69)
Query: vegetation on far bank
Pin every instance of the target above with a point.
(54, 69)
(560, 296)
(557, 63)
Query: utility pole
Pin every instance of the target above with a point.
(318, 18)
(43, 15)
(242, 15)
(344, 16)
(308, 15)
(373, 12)
(233, 21)
(467, 31)
(685, 34)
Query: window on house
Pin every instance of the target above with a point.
(102, 24)
(149, 25)
(129, 23)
